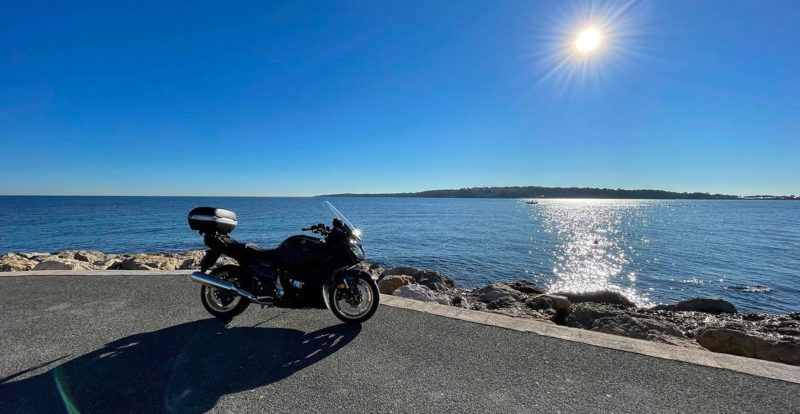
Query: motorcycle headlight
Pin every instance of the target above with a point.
(357, 250)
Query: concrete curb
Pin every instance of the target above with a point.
(736, 363)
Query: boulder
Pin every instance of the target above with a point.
(539, 302)
(188, 264)
(420, 293)
(131, 264)
(34, 255)
(401, 270)
(524, 286)
(150, 262)
(107, 264)
(375, 270)
(706, 305)
(584, 314)
(600, 296)
(65, 254)
(559, 304)
(89, 256)
(434, 280)
(639, 328)
(189, 259)
(388, 284)
(498, 290)
(12, 262)
(736, 342)
(460, 301)
(502, 302)
(65, 264)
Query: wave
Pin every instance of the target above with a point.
(750, 288)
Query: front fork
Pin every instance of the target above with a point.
(338, 277)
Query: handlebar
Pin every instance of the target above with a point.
(318, 228)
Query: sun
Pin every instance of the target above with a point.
(581, 46)
(588, 40)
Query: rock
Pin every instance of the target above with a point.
(65, 264)
(150, 262)
(526, 287)
(559, 304)
(421, 293)
(402, 270)
(600, 296)
(65, 254)
(434, 280)
(498, 290)
(376, 272)
(460, 301)
(12, 262)
(388, 284)
(373, 268)
(132, 264)
(539, 302)
(189, 259)
(90, 256)
(736, 342)
(584, 314)
(502, 302)
(706, 305)
(107, 264)
(91, 259)
(189, 264)
(33, 255)
(639, 328)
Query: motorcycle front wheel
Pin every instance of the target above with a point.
(356, 300)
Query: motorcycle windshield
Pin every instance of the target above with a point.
(354, 231)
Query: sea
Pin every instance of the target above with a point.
(652, 251)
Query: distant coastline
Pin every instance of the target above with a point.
(564, 192)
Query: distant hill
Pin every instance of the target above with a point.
(548, 192)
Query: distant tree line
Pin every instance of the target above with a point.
(548, 192)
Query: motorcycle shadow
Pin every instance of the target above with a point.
(181, 369)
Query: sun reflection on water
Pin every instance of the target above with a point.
(590, 250)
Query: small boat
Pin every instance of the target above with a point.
(532, 202)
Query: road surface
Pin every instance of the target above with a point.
(116, 344)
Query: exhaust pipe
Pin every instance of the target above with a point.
(212, 281)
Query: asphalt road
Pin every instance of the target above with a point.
(116, 344)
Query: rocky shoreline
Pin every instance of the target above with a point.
(709, 323)
(95, 260)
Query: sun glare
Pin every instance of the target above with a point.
(588, 40)
(583, 44)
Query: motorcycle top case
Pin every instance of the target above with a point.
(212, 220)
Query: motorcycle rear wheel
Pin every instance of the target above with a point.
(354, 304)
(220, 303)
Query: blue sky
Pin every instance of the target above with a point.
(303, 98)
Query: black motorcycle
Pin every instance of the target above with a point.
(292, 275)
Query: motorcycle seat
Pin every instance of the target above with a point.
(270, 255)
(238, 250)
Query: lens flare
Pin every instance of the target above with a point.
(580, 45)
